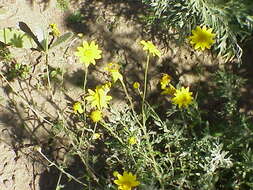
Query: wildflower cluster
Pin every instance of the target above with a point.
(181, 97)
(181, 146)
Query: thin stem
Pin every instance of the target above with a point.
(48, 76)
(59, 180)
(84, 103)
(85, 78)
(143, 98)
(62, 170)
(24, 100)
(145, 81)
(112, 132)
(128, 97)
(130, 101)
(144, 129)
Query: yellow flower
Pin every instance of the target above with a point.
(55, 30)
(126, 181)
(169, 90)
(182, 97)
(202, 38)
(88, 53)
(96, 136)
(150, 47)
(132, 140)
(99, 97)
(77, 107)
(113, 69)
(136, 85)
(96, 116)
(115, 173)
(165, 80)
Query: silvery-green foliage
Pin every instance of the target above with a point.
(122, 116)
(231, 20)
(219, 158)
(147, 187)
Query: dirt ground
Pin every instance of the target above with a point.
(114, 26)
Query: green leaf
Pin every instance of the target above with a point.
(16, 38)
(62, 39)
(25, 28)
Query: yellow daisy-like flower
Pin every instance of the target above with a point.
(126, 181)
(202, 38)
(165, 80)
(150, 47)
(136, 85)
(96, 116)
(88, 53)
(78, 108)
(99, 98)
(113, 69)
(182, 97)
(169, 90)
(132, 140)
(55, 30)
(96, 136)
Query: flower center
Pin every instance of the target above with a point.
(184, 99)
(127, 185)
(88, 52)
(202, 37)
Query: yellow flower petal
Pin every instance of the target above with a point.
(96, 116)
(136, 85)
(113, 69)
(88, 53)
(77, 107)
(165, 80)
(132, 140)
(202, 38)
(126, 181)
(55, 30)
(96, 136)
(150, 48)
(182, 97)
(99, 97)
(169, 90)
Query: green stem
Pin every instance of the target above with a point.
(62, 170)
(24, 100)
(85, 78)
(143, 98)
(84, 104)
(112, 132)
(59, 180)
(48, 76)
(130, 101)
(145, 81)
(144, 129)
(84, 89)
